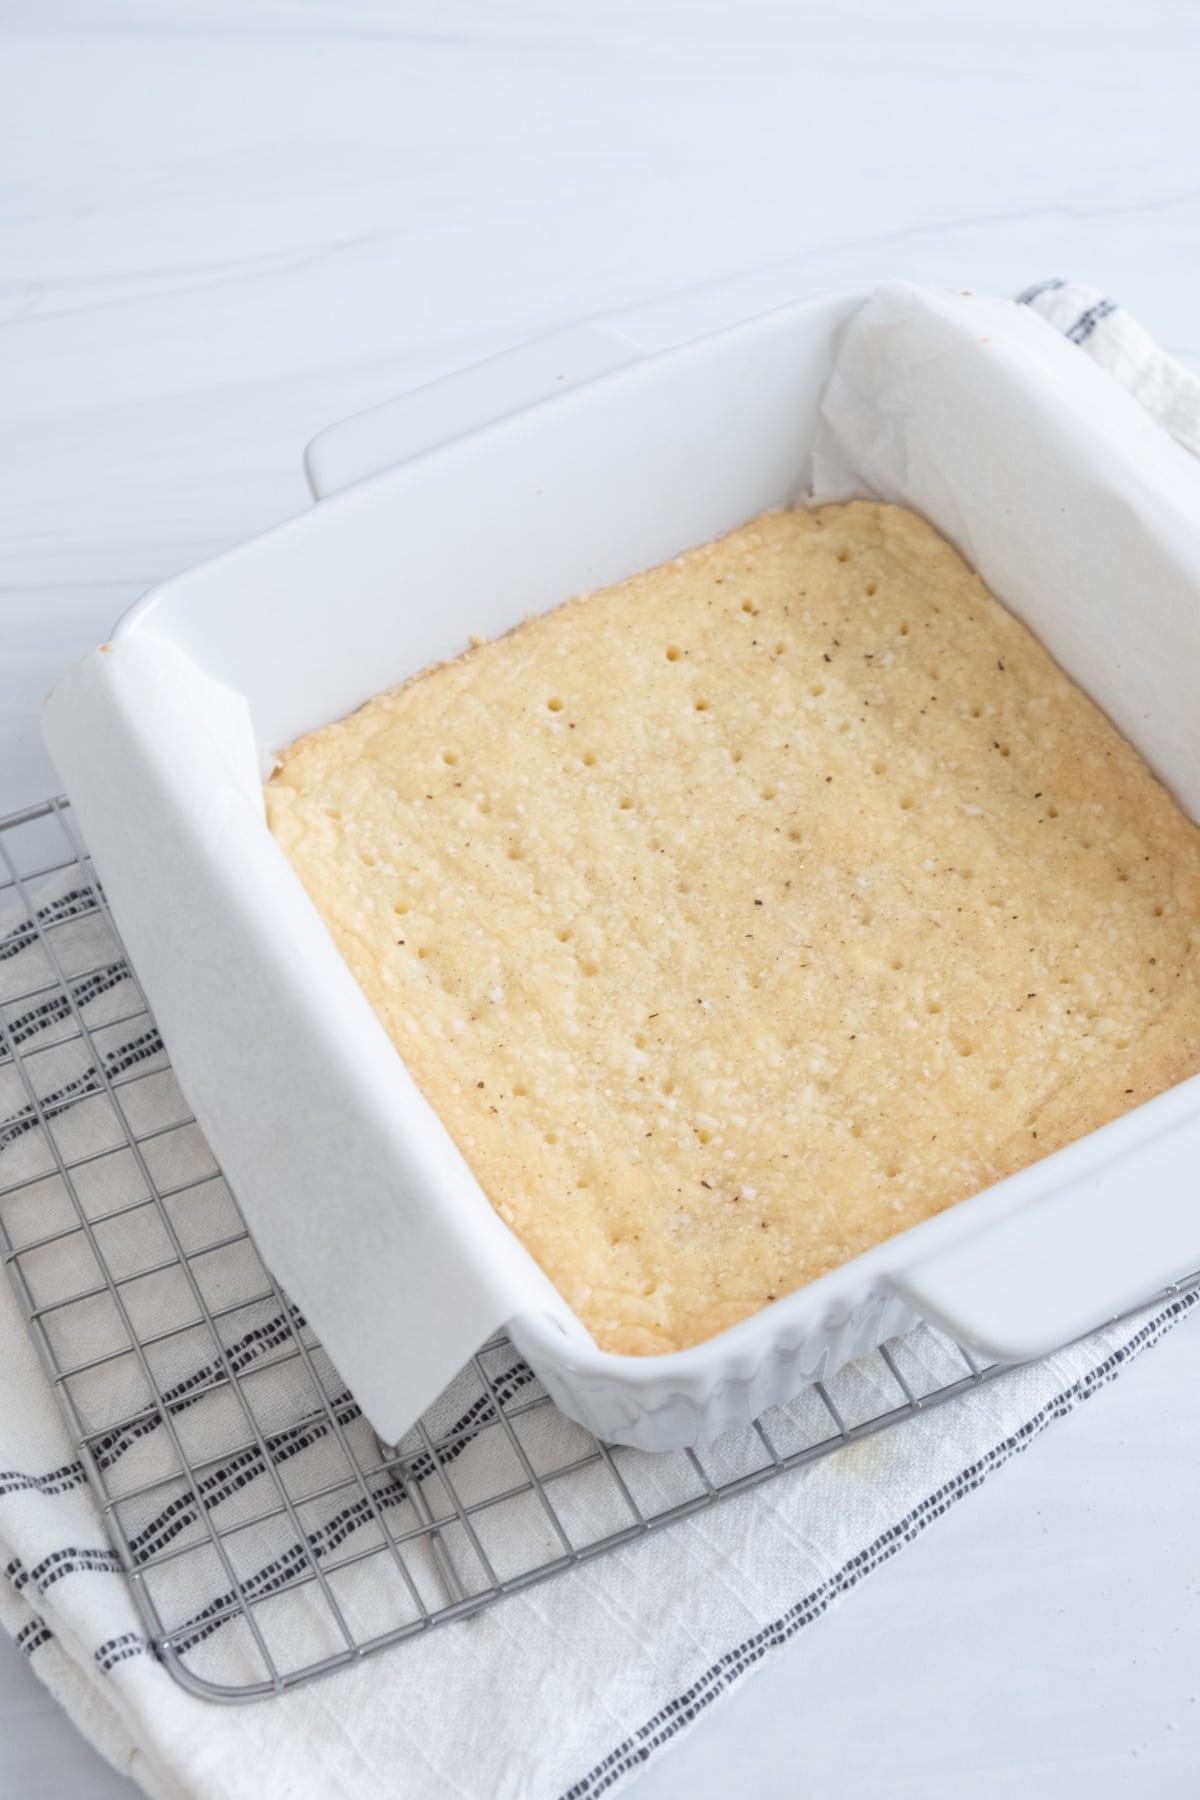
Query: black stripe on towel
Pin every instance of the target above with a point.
(32, 1636)
(82, 1086)
(72, 905)
(1088, 320)
(1040, 287)
(120, 1649)
(58, 1481)
(55, 1009)
(58, 1563)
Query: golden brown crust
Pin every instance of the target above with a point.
(739, 916)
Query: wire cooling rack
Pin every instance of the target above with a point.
(266, 1535)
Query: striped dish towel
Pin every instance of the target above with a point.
(563, 1689)
(1114, 339)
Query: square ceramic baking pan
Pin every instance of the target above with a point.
(456, 511)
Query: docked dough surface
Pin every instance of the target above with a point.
(739, 916)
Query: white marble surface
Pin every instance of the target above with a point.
(225, 224)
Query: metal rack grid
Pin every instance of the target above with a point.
(266, 1535)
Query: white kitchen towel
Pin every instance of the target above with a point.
(1114, 339)
(563, 1689)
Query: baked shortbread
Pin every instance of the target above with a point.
(739, 916)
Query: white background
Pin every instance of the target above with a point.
(224, 225)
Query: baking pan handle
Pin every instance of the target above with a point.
(443, 410)
(1121, 1229)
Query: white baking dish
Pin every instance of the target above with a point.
(503, 493)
